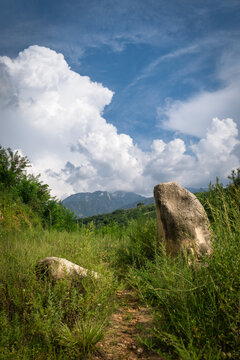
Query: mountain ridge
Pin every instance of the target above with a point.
(99, 202)
(85, 204)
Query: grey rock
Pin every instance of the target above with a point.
(58, 268)
(181, 220)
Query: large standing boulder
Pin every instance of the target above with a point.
(181, 220)
(58, 268)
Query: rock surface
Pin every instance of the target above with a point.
(58, 268)
(181, 220)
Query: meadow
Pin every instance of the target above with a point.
(196, 308)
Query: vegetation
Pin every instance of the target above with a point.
(39, 320)
(196, 308)
(120, 218)
(17, 188)
(42, 321)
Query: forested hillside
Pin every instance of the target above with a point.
(120, 218)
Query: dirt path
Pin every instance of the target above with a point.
(129, 322)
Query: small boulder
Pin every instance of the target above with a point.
(58, 268)
(181, 220)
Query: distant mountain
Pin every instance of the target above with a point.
(101, 202)
(195, 190)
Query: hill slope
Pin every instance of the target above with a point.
(120, 217)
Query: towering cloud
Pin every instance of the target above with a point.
(54, 115)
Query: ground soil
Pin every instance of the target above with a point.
(129, 323)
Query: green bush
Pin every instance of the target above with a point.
(56, 216)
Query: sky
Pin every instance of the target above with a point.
(121, 95)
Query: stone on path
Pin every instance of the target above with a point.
(181, 220)
(58, 268)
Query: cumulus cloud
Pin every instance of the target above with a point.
(214, 155)
(55, 116)
(194, 115)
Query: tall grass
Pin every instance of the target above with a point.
(197, 308)
(39, 320)
(137, 246)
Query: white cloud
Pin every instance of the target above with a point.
(54, 116)
(214, 155)
(194, 115)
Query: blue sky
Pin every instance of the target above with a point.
(167, 68)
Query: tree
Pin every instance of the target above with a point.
(58, 217)
(33, 192)
(13, 176)
(235, 177)
(12, 167)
